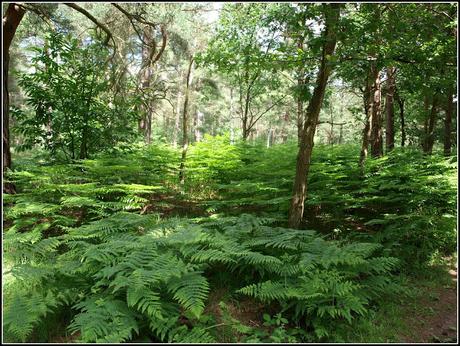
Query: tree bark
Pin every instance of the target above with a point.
(332, 14)
(11, 20)
(401, 117)
(376, 123)
(448, 123)
(185, 122)
(389, 109)
(429, 140)
(367, 101)
(146, 73)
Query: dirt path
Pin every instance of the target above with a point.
(434, 317)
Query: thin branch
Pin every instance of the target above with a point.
(93, 19)
(264, 112)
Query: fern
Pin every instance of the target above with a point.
(104, 320)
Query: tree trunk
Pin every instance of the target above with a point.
(376, 122)
(184, 123)
(332, 13)
(389, 109)
(367, 101)
(401, 116)
(11, 20)
(146, 74)
(429, 142)
(448, 123)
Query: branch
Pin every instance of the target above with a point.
(137, 17)
(264, 112)
(93, 19)
(163, 45)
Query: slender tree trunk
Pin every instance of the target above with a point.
(367, 101)
(448, 123)
(11, 20)
(376, 123)
(389, 109)
(185, 122)
(146, 74)
(401, 117)
(247, 98)
(428, 148)
(332, 13)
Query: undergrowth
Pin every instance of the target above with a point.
(104, 245)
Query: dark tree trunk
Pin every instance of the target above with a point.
(11, 20)
(389, 109)
(185, 123)
(376, 123)
(429, 141)
(448, 123)
(367, 102)
(332, 14)
(401, 116)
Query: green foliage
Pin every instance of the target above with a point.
(405, 201)
(127, 278)
(70, 112)
(79, 242)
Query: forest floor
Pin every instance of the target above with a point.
(434, 317)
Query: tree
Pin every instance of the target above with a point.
(11, 20)
(71, 109)
(331, 14)
(185, 120)
(240, 52)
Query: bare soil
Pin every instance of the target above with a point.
(434, 317)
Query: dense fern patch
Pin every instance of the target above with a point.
(89, 243)
(131, 274)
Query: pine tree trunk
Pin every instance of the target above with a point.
(185, 123)
(389, 109)
(299, 192)
(11, 20)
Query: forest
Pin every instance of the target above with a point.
(229, 172)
